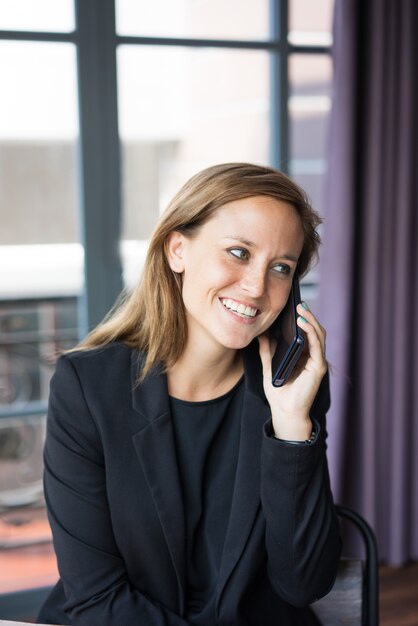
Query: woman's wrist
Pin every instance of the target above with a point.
(294, 429)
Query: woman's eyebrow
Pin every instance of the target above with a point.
(251, 244)
(243, 240)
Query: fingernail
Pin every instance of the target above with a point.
(304, 306)
(303, 319)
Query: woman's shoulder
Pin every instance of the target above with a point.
(100, 361)
(101, 377)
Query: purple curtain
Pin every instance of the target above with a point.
(369, 269)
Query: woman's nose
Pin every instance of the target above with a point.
(254, 282)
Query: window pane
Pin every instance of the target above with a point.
(310, 78)
(310, 75)
(310, 22)
(39, 97)
(26, 551)
(313, 185)
(40, 256)
(38, 165)
(309, 107)
(42, 15)
(31, 334)
(21, 461)
(217, 19)
(181, 110)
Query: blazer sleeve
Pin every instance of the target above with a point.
(91, 568)
(302, 530)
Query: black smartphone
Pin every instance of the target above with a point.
(290, 338)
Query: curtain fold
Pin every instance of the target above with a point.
(369, 269)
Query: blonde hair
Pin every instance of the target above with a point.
(152, 318)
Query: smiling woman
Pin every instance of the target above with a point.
(182, 487)
(155, 308)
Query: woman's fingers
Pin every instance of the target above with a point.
(307, 314)
(315, 333)
(290, 404)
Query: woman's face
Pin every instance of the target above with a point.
(237, 270)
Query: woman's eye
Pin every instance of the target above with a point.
(239, 253)
(281, 268)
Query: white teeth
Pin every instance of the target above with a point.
(241, 309)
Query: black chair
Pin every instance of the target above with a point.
(354, 598)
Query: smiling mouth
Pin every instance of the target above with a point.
(239, 309)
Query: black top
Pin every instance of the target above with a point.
(207, 442)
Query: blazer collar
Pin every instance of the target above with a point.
(156, 451)
(246, 497)
(150, 397)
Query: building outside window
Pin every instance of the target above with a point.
(189, 83)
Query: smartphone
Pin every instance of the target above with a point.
(290, 338)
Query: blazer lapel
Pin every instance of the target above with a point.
(155, 448)
(246, 497)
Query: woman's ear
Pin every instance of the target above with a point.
(174, 250)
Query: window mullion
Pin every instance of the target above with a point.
(99, 159)
(279, 90)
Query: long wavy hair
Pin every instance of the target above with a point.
(152, 317)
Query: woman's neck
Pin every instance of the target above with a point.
(200, 377)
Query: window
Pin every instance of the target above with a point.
(200, 88)
(40, 232)
(107, 108)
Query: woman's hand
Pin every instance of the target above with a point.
(290, 404)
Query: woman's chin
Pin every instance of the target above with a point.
(237, 343)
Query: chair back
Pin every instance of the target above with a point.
(354, 598)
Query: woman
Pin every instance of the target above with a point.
(182, 487)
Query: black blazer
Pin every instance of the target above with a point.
(115, 505)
